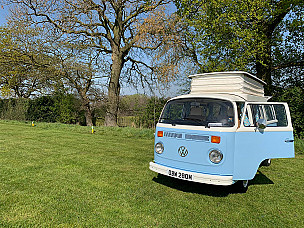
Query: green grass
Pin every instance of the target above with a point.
(299, 146)
(55, 175)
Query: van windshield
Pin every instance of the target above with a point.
(199, 112)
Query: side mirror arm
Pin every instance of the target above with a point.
(261, 124)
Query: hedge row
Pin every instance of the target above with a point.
(64, 108)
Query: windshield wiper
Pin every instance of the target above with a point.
(171, 121)
(195, 120)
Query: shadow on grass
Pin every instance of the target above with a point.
(208, 189)
(260, 178)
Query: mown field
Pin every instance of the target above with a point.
(55, 175)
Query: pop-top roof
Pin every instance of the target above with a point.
(239, 83)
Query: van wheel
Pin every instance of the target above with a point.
(266, 162)
(241, 186)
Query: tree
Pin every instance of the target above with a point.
(143, 109)
(152, 111)
(252, 35)
(78, 71)
(31, 67)
(24, 67)
(118, 28)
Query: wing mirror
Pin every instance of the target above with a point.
(261, 124)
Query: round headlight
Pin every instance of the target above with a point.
(159, 148)
(215, 156)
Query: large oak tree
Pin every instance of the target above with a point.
(116, 28)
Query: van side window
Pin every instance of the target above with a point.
(257, 113)
(247, 122)
(281, 116)
(274, 114)
(270, 112)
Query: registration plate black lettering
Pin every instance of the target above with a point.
(180, 175)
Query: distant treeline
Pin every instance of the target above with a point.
(135, 110)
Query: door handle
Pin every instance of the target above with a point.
(289, 140)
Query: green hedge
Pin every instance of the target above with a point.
(64, 108)
(14, 109)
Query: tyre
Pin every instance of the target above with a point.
(241, 186)
(266, 162)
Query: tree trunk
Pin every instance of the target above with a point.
(263, 70)
(88, 111)
(88, 116)
(114, 90)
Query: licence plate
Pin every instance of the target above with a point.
(180, 175)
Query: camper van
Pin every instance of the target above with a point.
(222, 131)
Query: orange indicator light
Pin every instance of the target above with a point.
(160, 134)
(215, 139)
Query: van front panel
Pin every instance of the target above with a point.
(189, 150)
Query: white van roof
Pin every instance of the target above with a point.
(224, 96)
(234, 85)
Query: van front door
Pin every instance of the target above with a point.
(253, 144)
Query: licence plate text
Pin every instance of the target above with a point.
(180, 175)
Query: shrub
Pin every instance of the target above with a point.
(14, 109)
(42, 109)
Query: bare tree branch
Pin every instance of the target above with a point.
(289, 64)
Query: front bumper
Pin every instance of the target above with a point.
(191, 176)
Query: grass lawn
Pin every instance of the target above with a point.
(55, 175)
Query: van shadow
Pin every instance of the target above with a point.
(260, 178)
(208, 189)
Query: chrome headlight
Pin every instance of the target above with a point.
(215, 156)
(159, 148)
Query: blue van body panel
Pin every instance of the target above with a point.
(198, 144)
(243, 152)
(253, 147)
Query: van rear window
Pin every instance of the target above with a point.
(199, 112)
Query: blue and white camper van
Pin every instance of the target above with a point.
(222, 131)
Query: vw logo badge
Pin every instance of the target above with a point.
(182, 151)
